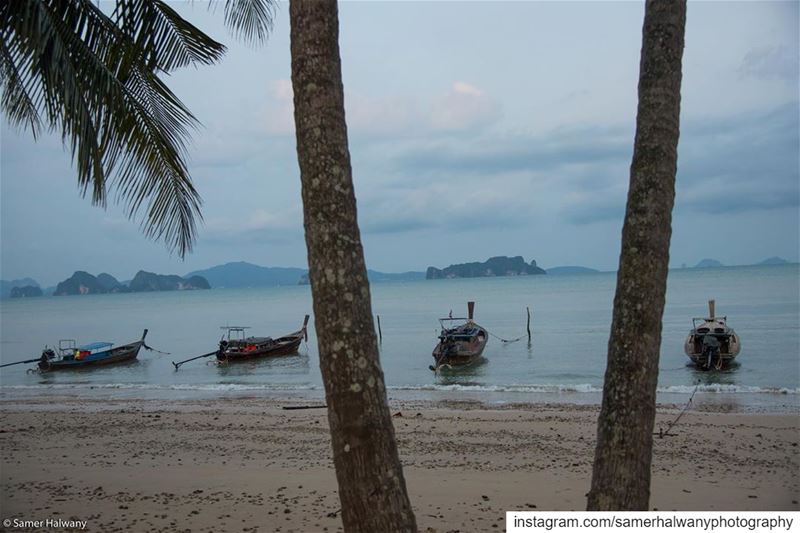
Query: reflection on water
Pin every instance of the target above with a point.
(723, 376)
(87, 374)
(464, 375)
(268, 366)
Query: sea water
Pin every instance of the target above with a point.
(564, 362)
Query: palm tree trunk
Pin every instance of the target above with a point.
(621, 476)
(372, 489)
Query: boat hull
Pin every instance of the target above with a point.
(120, 354)
(458, 361)
(729, 348)
(237, 351)
(460, 353)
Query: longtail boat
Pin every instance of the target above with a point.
(711, 344)
(69, 356)
(460, 345)
(235, 346)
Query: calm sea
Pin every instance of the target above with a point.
(564, 362)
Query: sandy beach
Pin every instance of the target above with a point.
(249, 465)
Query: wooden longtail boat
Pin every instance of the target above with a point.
(460, 345)
(711, 344)
(73, 357)
(236, 347)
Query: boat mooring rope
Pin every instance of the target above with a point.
(146, 347)
(501, 338)
(662, 433)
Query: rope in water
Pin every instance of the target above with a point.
(502, 339)
(146, 347)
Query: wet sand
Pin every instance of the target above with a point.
(249, 465)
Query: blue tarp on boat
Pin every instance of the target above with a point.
(95, 346)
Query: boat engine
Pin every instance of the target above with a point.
(711, 353)
(448, 346)
(44, 361)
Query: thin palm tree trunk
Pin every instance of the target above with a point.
(621, 475)
(372, 489)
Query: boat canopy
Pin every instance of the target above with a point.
(258, 340)
(95, 346)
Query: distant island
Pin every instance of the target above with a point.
(713, 263)
(149, 282)
(494, 266)
(28, 291)
(570, 270)
(773, 261)
(708, 263)
(242, 275)
(84, 283)
(375, 276)
(6, 286)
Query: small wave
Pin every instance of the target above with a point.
(211, 387)
(587, 388)
(581, 388)
(729, 389)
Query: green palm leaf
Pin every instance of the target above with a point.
(250, 19)
(15, 99)
(68, 65)
(166, 40)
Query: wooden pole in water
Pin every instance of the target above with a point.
(529, 323)
(380, 335)
(711, 308)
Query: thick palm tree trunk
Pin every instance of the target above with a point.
(372, 489)
(621, 476)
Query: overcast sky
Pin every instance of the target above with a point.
(476, 129)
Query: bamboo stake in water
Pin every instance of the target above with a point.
(529, 323)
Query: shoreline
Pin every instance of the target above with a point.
(715, 400)
(210, 465)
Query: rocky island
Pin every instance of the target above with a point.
(494, 266)
(80, 283)
(6, 286)
(28, 291)
(84, 283)
(148, 282)
(709, 263)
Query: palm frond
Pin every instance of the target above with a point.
(250, 19)
(158, 153)
(16, 103)
(164, 38)
(93, 77)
